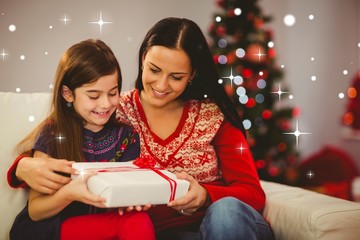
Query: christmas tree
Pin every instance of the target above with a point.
(351, 117)
(244, 53)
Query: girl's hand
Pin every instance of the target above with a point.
(77, 190)
(40, 173)
(131, 208)
(195, 198)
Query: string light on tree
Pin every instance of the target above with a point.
(240, 53)
(237, 11)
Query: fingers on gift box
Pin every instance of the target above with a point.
(124, 184)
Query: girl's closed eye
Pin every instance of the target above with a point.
(93, 97)
(113, 94)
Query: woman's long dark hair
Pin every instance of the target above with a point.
(184, 34)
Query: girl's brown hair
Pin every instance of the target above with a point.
(82, 63)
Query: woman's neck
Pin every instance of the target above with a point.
(164, 120)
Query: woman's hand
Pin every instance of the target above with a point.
(40, 173)
(131, 208)
(195, 198)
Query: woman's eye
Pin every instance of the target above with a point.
(154, 70)
(93, 97)
(112, 94)
(176, 78)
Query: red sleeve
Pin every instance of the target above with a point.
(13, 181)
(237, 167)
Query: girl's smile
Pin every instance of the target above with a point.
(97, 101)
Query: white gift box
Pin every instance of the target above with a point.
(123, 184)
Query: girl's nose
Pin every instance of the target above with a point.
(105, 102)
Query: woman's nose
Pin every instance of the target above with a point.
(162, 83)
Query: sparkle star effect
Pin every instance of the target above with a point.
(82, 172)
(297, 133)
(231, 77)
(241, 148)
(310, 174)
(65, 19)
(59, 138)
(279, 92)
(3, 54)
(100, 22)
(259, 54)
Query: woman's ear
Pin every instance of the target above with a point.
(67, 94)
(192, 76)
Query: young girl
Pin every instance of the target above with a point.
(82, 127)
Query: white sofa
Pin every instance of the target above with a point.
(294, 213)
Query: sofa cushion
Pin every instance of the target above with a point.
(295, 213)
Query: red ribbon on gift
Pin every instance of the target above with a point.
(143, 163)
(150, 163)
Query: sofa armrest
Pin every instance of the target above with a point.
(295, 213)
(21, 112)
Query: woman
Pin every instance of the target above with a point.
(188, 124)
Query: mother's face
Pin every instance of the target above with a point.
(166, 73)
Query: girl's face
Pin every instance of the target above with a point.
(166, 73)
(96, 102)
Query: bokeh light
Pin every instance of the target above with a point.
(289, 20)
(12, 28)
